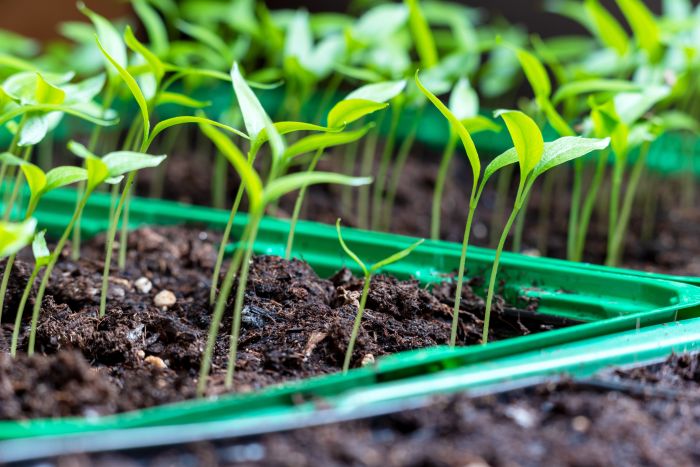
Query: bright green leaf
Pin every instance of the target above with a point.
(62, 176)
(565, 149)
(645, 28)
(577, 88)
(395, 257)
(606, 27)
(157, 66)
(108, 37)
(288, 183)
(378, 92)
(458, 128)
(123, 162)
(15, 235)
(527, 139)
(422, 36)
(535, 72)
(350, 110)
(41, 252)
(324, 140)
(464, 103)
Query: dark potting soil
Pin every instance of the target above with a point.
(669, 244)
(556, 424)
(295, 325)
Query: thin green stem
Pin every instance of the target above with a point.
(20, 310)
(614, 208)
(238, 305)
(460, 273)
(218, 186)
(49, 268)
(16, 186)
(367, 163)
(109, 242)
(494, 273)
(349, 162)
(384, 163)
(520, 226)
(218, 314)
(124, 235)
(358, 321)
(545, 212)
(621, 229)
(588, 204)
(5, 281)
(298, 204)
(224, 241)
(328, 95)
(396, 172)
(443, 170)
(574, 211)
(502, 187)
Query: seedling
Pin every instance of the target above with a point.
(15, 235)
(42, 257)
(534, 157)
(367, 273)
(39, 183)
(259, 197)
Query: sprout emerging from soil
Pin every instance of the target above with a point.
(367, 273)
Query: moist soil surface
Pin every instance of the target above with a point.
(556, 424)
(663, 236)
(147, 351)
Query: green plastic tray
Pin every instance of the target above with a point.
(577, 359)
(607, 301)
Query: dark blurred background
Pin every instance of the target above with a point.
(38, 18)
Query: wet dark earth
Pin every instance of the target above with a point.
(146, 351)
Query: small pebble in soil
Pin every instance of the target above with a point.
(155, 362)
(164, 299)
(580, 424)
(143, 285)
(367, 360)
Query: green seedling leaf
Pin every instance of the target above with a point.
(378, 92)
(349, 252)
(464, 103)
(395, 257)
(157, 32)
(63, 176)
(254, 116)
(97, 171)
(527, 139)
(422, 36)
(379, 23)
(479, 124)
(577, 88)
(288, 183)
(205, 36)
(249, 177)
(133, 87)
(507, 158)
(324, 140)
(299, 41)
(15, 235)
(36, 180)
(284, 128)
(359, 74)
(350, 110)
(70, 110)
(644, 26)
(180, 99)
(165, 124)
(122, 162)
(42, 255)
(606, 27)
(30, 88)
(535, 72)
(109, 37)
(458, 128)
(84, 91)
(566, 149)
(156, 65)
(632, 106)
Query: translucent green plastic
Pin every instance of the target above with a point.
(608, 302)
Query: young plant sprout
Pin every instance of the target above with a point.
(464, 104)
(98, 172)
(39, 184)
(15, 235)
(157, 70)
(534, 157)
(42, 256)
(259, 197)
(367, 273)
